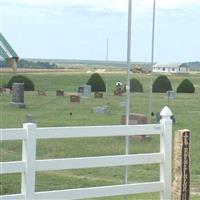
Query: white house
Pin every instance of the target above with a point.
(171, 68)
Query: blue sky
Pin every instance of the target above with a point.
(78, 29)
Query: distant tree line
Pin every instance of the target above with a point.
(29, 64)
(194, 66)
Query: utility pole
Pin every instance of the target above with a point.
(129, 31)
(152, 59)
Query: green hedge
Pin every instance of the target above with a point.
(186, 86)
(135, 85)
(28, 83)
(97, 83)
(161, 84)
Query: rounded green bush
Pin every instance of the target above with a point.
(162, 84)
(97, 83)
(135, 85)
(186, 86)
(28, 84)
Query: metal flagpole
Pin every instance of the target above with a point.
(152, 59)
(128, 84)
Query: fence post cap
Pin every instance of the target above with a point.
(25, 125)
(166, 112)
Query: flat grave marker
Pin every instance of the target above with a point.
(98, 95)
(101, 110)
(75, 98)
(41, 93)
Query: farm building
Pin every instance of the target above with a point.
(171, 68)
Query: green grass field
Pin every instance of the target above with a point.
(54, 111)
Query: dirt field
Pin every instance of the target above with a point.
(68, 70)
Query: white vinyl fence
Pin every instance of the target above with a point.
(29, 165)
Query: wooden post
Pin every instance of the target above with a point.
(181, 165)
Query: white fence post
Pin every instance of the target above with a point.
(166, 149)
(29, 157)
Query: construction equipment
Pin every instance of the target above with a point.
(7, 53)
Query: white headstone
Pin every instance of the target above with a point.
(85, 90)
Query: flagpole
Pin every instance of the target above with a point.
(152, 59)
(128, 84)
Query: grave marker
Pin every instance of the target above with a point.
(117, 92)
(118, 89)
(98, 95)
(85, 90)
(29, 118)
(170, 95)
(74, 98)
(60, 93)
(18, 95)
(41, 93)
(101, 109)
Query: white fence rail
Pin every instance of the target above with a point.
(29, 165)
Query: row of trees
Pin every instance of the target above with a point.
(30, 64)
(163, 84)
(160, 85)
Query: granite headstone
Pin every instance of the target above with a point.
(18, 95)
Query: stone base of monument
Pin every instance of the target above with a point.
(135, 119)
(18, 105)
(117, 93)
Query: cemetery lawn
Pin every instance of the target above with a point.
(49, 111)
